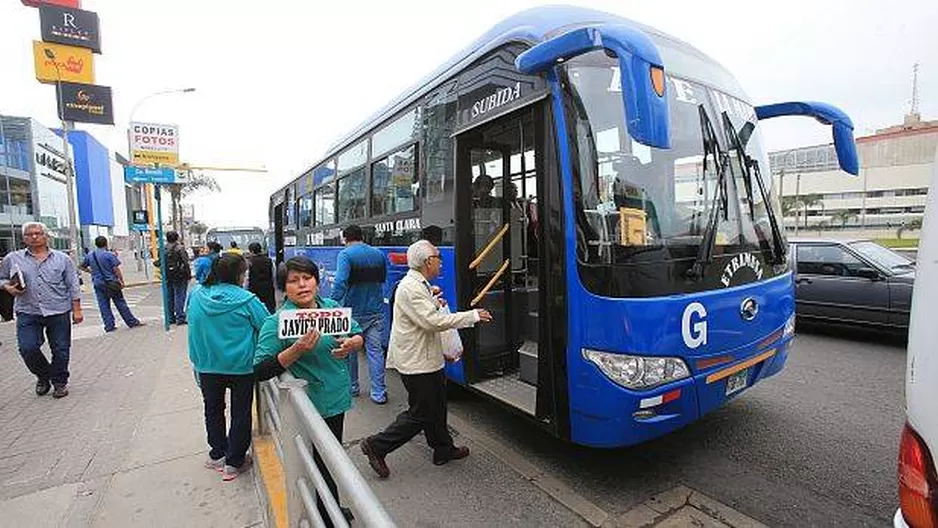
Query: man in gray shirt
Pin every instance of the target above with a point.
(44, 283)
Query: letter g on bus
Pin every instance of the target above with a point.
(694, 333)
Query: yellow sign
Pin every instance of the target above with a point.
(631, 226)
(74, 64)
(143, 157)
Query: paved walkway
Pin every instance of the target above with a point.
(125, 448)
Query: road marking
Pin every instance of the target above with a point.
(557, 490)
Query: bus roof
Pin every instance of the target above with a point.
(530, 26)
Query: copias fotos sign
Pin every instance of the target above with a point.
(294, 324)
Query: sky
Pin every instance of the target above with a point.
(277, 82)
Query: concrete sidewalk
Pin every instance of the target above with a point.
(125, 448)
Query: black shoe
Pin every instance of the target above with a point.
(42, 387)
(138, 324)
(181, 323)
(456, 454)
(109, 330)
(376, 462)
(60, 392)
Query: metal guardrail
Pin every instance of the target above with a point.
(287, 414)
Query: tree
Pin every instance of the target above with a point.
(821, 226)
(809, 200)
(911, 225)
(843, 216)
(195, 182)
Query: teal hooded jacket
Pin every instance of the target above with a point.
(223, 324)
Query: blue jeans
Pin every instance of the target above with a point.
(177, 300)
(104, 297)
(58, 328)
(372, 325)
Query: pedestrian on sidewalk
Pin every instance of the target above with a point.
(416, 351)
(261, 277)
(319, 359)
(234, 249)
(108, 282)
(359, 284)
(44, 283)
(203, 264)
(178, 274)
(224, 320)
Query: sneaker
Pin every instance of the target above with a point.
(181, 323)
(456, 454)
(230, 473)
(42, 387)
(138, 324)
(60, 392)
(380, 401)
(376, 462)
(217, 465)
(109, 330)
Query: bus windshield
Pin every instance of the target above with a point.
(242, 236)
(636, 204)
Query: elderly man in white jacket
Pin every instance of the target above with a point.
(416, 351)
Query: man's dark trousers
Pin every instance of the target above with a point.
(427, 399)
(29, 337)
(178, 289)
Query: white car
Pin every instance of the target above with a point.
(918, 477)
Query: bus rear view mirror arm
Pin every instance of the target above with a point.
(640, 66)
(827, 114)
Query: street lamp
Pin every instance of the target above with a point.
(69, 173)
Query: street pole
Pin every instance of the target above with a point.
(163, 285)
(69, 170)
(70, 183)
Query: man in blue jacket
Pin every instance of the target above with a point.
(359, 284)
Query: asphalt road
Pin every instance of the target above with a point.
(815, 445)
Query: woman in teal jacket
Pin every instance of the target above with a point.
(224, 320)
(318, 359)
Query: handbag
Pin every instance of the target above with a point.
(452, 343)
(113, 287)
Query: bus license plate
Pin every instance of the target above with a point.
(737, 382)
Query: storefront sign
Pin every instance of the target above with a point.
(134, 174)
(141, 220)
(71, 63)
(294, 324)
(154, 143)
(70, 26)
(85, 103)
(63, 3)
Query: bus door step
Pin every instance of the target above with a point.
(527, 356)
(511, 390)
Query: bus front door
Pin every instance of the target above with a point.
(497, 252)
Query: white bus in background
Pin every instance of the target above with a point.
(918, 476)
(242, 235)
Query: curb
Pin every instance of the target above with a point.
(269, 481)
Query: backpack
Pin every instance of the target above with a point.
(177, 265)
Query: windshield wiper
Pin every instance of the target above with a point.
(751, 169)
(719, 203)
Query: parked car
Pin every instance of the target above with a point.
(853, 282)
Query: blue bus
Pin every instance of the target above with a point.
(243, 236)
(602, 188)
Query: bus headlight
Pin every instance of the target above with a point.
(789, 326)
(637, 372)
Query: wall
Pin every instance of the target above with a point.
(93, 179)
(119, 199)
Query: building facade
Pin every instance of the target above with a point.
(889, 193)
(33, 185)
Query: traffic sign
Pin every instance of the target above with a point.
(133, 174)
(141, 220)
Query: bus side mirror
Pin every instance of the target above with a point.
(640, 68)
(842, 127)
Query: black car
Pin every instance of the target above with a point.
(854, 282)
